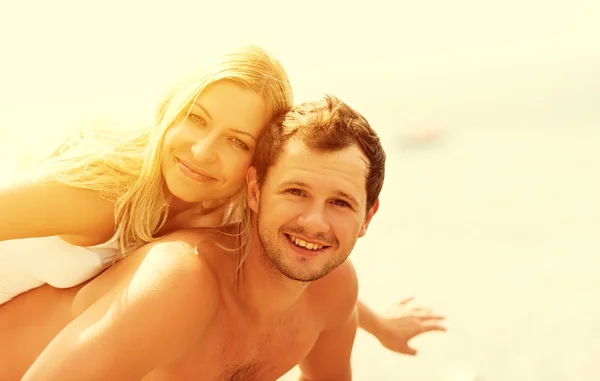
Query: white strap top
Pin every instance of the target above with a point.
(29, 263)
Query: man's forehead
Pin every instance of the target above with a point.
(344, 170)
(295, 147)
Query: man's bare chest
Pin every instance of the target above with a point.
(234, 352)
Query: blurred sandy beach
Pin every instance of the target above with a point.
(493, 222)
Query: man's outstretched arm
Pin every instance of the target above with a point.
(367, 318)
(397, 327)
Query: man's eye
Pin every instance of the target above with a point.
(341, 203)
(295, 192)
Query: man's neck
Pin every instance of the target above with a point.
(265, 293)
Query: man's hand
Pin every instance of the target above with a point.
(402, 322)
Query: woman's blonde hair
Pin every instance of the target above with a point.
(126, 168)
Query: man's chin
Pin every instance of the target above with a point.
(301, 275)
(300, 278)
(293, 265)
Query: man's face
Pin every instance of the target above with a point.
(311, 209)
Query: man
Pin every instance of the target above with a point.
(166, 314)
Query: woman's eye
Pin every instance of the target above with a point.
(240, 143)
(197, 119)
(295, 192)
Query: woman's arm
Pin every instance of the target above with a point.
(38, 206)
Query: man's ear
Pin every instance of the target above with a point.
(253, 191)
(370, 214)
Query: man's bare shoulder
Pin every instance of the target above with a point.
(170, 272)
(169, 263)
(179, 257)
(337, 292)
(154, 306)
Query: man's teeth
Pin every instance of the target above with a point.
(306, 245)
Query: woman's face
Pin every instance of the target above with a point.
(207, 155)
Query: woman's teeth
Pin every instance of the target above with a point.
(304, 244)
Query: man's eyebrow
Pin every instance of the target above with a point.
(347, 196)
(293, 183)
(301, 184)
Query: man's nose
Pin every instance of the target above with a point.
(314, 219)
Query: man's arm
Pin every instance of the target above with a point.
(153, 317)
(368, 319)
(397, 327)
(329, 358)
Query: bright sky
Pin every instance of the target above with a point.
(68, 60)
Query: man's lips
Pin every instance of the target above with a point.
(307, 245)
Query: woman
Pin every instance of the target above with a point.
(102, 195)
(105, 193)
